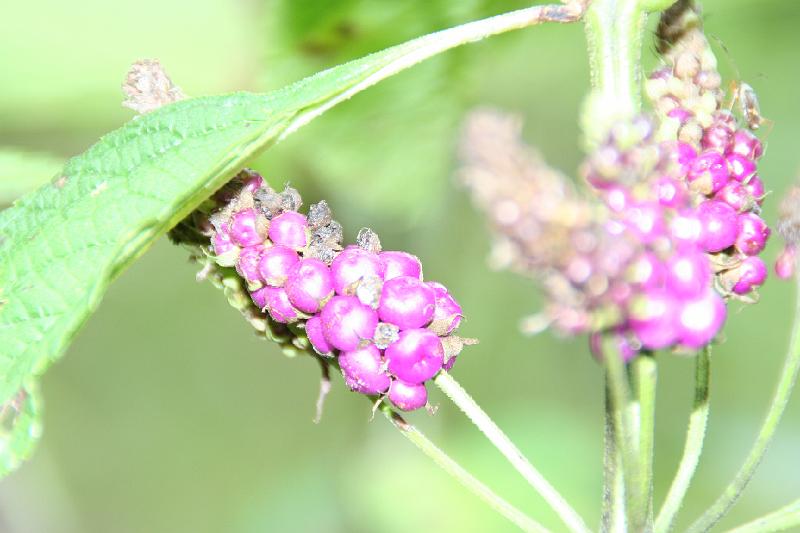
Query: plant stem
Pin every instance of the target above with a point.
(626, 419)
(774, 413)
(695, 435)
(613, 512)
(486, 425)
(520, 519)
(780, 520)
(645, 373)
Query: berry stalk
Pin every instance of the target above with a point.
(786, 383)
(693, 448)
(500, 440)
(781, 520)
(645, 374)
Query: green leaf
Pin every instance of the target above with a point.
(21, 172)
(62, 245)
(20, 427)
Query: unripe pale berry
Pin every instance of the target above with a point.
(407, 396)
(275, 264)
(362, 370)
(753, 234)
(347, 323)
(719, 223)
(316, 337)
(416, 356)
(396, 264)
(309, 285)
(407, 303)
(289, 229)
(351, 265)
(700, 319)
(243, 228)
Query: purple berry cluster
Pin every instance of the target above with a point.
(365, 309)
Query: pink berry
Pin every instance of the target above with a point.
(416, 356)
(648, 271)
(686, 228)
(259, 298)
(717, 137)
(688, 273)
(751, 273)
(275, 263)
(309, 285)
(279, 306)
(683, 154)
(407, 396)
(740, 167)
(680, 114)
(289, 229)
(247, 263)
(646, 221)
(700, 319)
(447, 309)
(316, 337)
(617, 198)
(397, 264)
(735, 195)
(347, 323)
(351, 265)
(243, 228)
(407, 303)
(362, 370)
(708, 173)
(222, 242)
(747, 144)
(719, 223)
(755, 187)
(753, 234)
(652, 318)
(671, 192)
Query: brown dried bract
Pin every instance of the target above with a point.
(148, 87)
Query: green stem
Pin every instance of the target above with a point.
(695, 435)
(774, 414)
(626, 421)
(780, 520)
(645, 373)
(613, 512)
(520, 519)
(464, 401)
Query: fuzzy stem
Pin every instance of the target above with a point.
(625, 416)
(781, 520)
(464, 401)
(774, 413)
(520, 519)
(646, 373)
(695, 435)
(613, 512)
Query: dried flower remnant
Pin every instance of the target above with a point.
(359, 308)
(147, 87)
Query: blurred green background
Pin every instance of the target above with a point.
(168, 415)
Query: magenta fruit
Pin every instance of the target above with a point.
(407, 303)
(247, 263)
(362, 370)
(316, 336)
(447, 312)
(416, 356)
(407, 396)
(753, 234)
(275, 263)
(652, 316)
(309, 285)
(350, 266)
(750, 274)
(741, 167)
(396, 264)
(289, 229)
(243, 228)
(700, 320)
(688, 273)
(347, 323)
(719, 223)
(708, 173)
(278, 305)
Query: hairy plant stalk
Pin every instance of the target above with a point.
(693, 448)
(776, 409)
(626, 429)
(520, 519)
(613, 512)
(464, 401)
(645, 377)
(781, 520)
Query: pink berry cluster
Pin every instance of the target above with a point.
(365, 309)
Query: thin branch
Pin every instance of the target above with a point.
(695, 435)
(500, 440)
(780, 520)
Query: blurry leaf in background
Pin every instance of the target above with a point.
(23, 171)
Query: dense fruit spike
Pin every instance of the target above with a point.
(348, 306)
